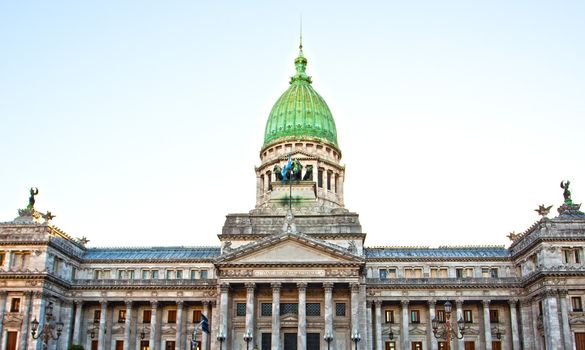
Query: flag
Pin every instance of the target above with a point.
(205, 324)
(286, 169)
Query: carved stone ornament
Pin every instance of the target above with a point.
(210, 293)
(236, 273)
(13, 320)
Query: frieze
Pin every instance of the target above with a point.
(236, 273)
(341, 273)
(288, 273)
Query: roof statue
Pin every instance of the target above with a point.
(542, 210)
(566, 192)
(48, 216)
(31, 200)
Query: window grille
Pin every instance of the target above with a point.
(340, 309)
(313, 309)
(289, 308)
(241, 309)
(266, 309)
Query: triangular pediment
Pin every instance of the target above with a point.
(292, 248)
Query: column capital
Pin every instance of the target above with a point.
(378, 303)
(128, 303)
(154, 304)
(513, 302)
(432, 303)
(78, 302)
(224, 287)
(404, 302)
(180, 302)
(103, 302)
(369, 303)
(355, 287)
(563, 293)
(276, 286)
(250, 286)
(459, 303)
(3, 293)
(550, 293)
(486, 303)
(302, 286)
(206, 302)
(328, 286)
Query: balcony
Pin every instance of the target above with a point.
(502, 282)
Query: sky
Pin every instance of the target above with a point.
(141, 121)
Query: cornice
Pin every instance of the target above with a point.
(427, 259)
(292, 264)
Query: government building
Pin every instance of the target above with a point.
(293, 272)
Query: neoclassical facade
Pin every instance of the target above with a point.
(293, 273)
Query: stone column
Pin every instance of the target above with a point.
(302, 323)
(250, 287)
(379, 343)
(487, 327)
(127, 324)
(179, 325)
(275, 316)
(24, 335)
(371, 322)
(514, 324)
(567, 334)
(328, 288)
(78, 322)
(355, 289)
(223, 316)
(67, 318)
(404, 327)
(538, 339)
(552, 325)
(3, 295)
(526, 321)
(153, 313)
(433, 345)
(458, 316)
(204, 336)
(101, 331)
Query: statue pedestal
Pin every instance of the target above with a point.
(28, 216)
(303, 193)
(570, 210)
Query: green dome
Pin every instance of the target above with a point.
(300, 112)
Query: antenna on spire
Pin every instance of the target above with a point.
(301, 36)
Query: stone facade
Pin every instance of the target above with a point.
(294, 273)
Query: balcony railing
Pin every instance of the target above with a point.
(470, 281)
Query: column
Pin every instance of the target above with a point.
(526, 321)
(302, 324)
(275, 316)
(514, 324)
(355, 289)
(3, 295)
(152, 340)
(250, 287)
(78, 322)
(371, 322)
(204, 336)
(214, 344)
(179, 325)
(102, 328)
(536, 318)
(433, 345)
(379, 343)
(487, 327)
(328, 288)
(67, 319)
(567, 334)
(458, 316)
(24, 335)
(552, 325)
(223, 316)
(404, 327)
(127, 324)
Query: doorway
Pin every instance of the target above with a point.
(580, 341)
(11, 338)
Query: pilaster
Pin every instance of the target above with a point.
(275, 316)
(404, 325)
(487, 327)
(302, 323)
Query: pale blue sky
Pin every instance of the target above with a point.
(141, 121)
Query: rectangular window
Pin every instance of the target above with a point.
(571, 255)
(94, 345)
(241, 309)
(494, 272)
(416, 345)
(414, 316)
(193, 274)
(469, 345)
(170, 274)
(390, 345)
(266, 341)
(313, 309)
(172, 316)
(328, 181)
(389, 316)
(340, 309)
(179, 274)
(577, 304)
(170, 345)
(391, 273)
(320, 177)
(119, 345)
(439, 272)
(155, 274)
(97, 314)
(122, 316)
(468, 316)
(266, 309)
(413, 272)
(144, 345)
(196, 316)
(494, 316)
(146, 316)
(145, 274)
(289, 308)
(131, 274)
(441, 316)
(383, 274)
(459, 272)
(442, 345)
(203, 275)
(15, 305)
(2, 259)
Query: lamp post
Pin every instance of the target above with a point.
(447, 330)
(356, 338)
(221, 339)
(328, 338)
(248, 338)
(51, 329)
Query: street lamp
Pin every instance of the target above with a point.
(447, 332)
(220, 339)
(248, 338)
(356, 338)
(328, 338)
(51, 329)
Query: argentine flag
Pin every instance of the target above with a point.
(286, 169)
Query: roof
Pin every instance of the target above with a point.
(300, 113)
(152, 253)
(441, 252)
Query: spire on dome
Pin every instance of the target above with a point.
(301, 62)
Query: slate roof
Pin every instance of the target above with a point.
(152, 253)
(441, 252)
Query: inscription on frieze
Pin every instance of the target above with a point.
(289, 273)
